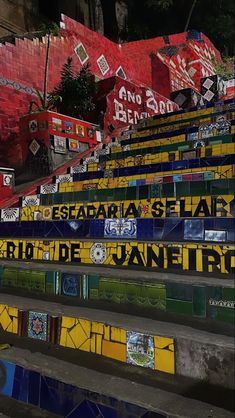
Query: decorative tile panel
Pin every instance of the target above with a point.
(38, 325)
(81, 53)
(81, 168)
(7, 180)
(103, 65)
(74, 145)
(91, 160)
(125, 228)
(49, 188)
(31, 200)
(213, 88)
(64, 178)
(121, 73)
(140, 349)
(108, 174)
(33, 126)
(34, 147)
(98, 253)
(60, 144)
(10, 215)
(70, 284)
(57, 124)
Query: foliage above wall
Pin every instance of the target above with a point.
(76, 91)
(225, 68)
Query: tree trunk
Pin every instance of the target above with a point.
(190, 15)
(46, 73)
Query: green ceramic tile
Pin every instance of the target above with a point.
(217, 141)
(38, 283)
(199, 301)
(226, 315)
(9, 278)
(198, 188)
(182, 189)
(93, 286)
(1, 274)
(183, 148)
(167, 189)
(111, 290)
(178, 306)
(24, 279)
(50, 281)
(156, 296)
(155, 190)
(228, 293)
(179, 291)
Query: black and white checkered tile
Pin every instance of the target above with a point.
(213, 88)
(187, 98)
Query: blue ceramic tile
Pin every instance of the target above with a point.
(7, 370)
(107, 412)
(70, 284)
(97, 228)
(134, 409)
(34, 387)
(17, 382)
(48, 399)
(85, 410)
(145, 228)
(140, 182)
(56, 397)
(150, 414)
(37, 325)
(24, 386)
(177, 178)
(152, 168)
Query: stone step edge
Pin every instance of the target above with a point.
(120, 320)
(121, 273)
(154, 399)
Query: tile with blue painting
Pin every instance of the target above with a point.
(125, 228)
(140, 349)
(70, 284)
(38, 325)
(68, 127)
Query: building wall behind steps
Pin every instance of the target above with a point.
(22, 69)
(17, 16)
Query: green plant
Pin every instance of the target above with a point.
(76, 91)
(225, 68)
(40, 105)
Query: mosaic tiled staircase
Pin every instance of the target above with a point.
(157, 207)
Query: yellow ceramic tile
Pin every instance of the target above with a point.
(118, 334)
(164, 359)
(97, 328)
(115, 351)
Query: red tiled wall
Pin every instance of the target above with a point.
(22, 68)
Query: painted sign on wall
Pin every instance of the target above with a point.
(207, 258)
(127, 103)
(195, 206)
